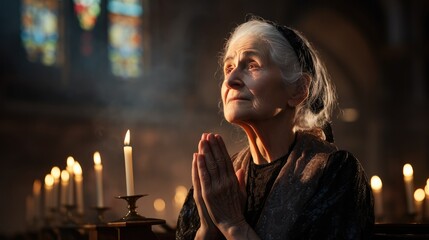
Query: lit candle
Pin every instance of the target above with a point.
(37, 187)
(419, 196)
(98, 168)
(409, 187)
(29, 204)
(56, 173)
(77, 170)
(427, 199)
(49, 183)
(128, 155)
(159, 206)
(376, 186)
(70, 188)
(65, 178)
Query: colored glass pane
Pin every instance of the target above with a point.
(87, 12)
(125, 40)
(39, 30)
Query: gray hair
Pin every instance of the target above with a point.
(315, 112)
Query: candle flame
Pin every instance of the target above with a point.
(70, 162)
(407, 170)
(419, 195)
(159, 204)
(77, 169)
(56, 172)
(37, 185)
(376, 183)
(97, 158)
(65, 176)
(49, 180)
(127, 138)
(180, 196)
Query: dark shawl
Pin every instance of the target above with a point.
(320, 193)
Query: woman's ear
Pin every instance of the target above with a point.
(300, 92)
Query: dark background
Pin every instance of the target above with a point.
(377, 52)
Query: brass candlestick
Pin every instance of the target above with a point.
(100, 215)
(69, 218)
(132, 214)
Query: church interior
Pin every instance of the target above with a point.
(77, 75)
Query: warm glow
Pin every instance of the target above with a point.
(65, 176)
(56, 172)
(180, 196)
(419, 195)
(376, 183)
(159, 204)
(350, 114)
(97, 158)
(408, 170)
(127, 138)
(77, 170)
(427, 190)
(70, 162)
(37, 185)
(427, 182)
(49, 180)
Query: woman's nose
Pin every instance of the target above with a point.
(234, 79)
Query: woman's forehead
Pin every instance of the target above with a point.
(247, 45)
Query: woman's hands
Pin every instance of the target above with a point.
(219, 192)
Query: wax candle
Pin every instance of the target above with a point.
(70, 188)
(37, 187)
(29, 206)
(98, 168)
(65, 178)
(159, 206)
(376, 185)
(77, 170)
(49, 183)
(128, 155)
(409, 187)
(56, 173)
(427, 200)
(419, 196)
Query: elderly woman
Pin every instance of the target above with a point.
(291, 182)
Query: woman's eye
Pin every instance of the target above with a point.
(228, 69)
(253, 66)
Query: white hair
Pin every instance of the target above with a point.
(316, 110)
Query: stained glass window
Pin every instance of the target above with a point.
(39, 30)
(125, 37)
(87, 12)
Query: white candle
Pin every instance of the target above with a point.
(65, 178)
(159, 206)
(29, 204)
(409, 187)
(128, 155)
(70, 188)
(49, 183)
(98, 168)
(376, 185)
(427, 200)
(77, 170)
(419, 196)
(56, 173)
(37, 187)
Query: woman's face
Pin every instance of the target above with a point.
(253, 89)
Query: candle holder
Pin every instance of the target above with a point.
(132, 214)
(69, 218)
(100, 215)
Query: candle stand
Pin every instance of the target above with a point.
(69, 218)
(100, 215)
(132, 214)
